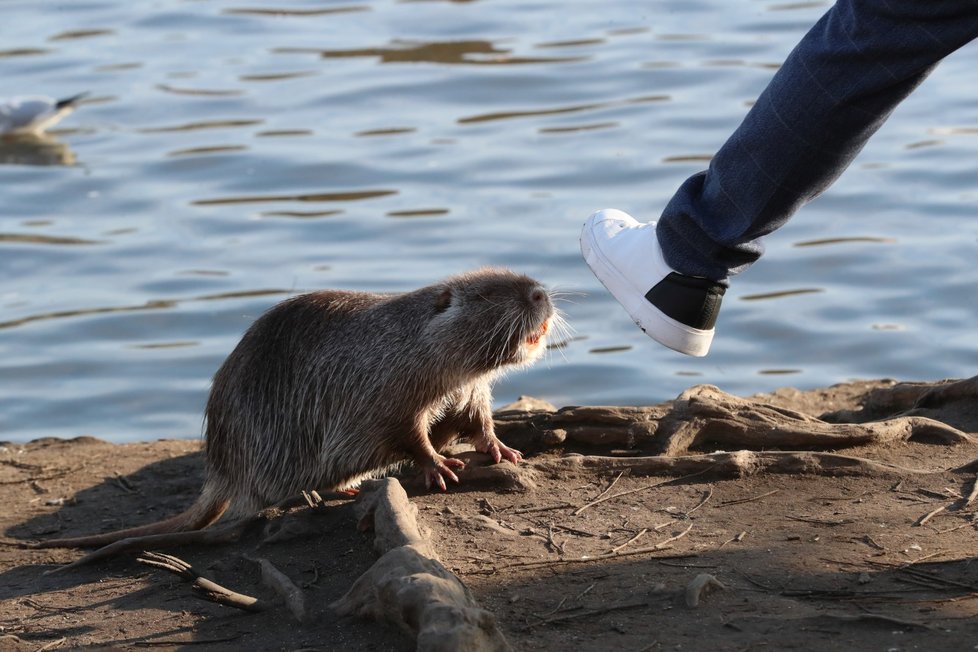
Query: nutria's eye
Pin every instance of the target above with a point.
(443, 301)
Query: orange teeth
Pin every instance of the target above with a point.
(537, 335)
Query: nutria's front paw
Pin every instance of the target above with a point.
(438, 469)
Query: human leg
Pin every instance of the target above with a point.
(834, 91)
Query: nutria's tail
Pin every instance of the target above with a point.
(202, 513)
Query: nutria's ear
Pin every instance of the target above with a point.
(443, 301)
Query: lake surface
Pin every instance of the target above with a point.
(232, 154)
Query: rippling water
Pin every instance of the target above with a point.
(230, 155)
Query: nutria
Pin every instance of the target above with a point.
(332, 387)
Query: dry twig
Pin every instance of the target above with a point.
(632, 540)
(926, 517)
(737, 539)
(203, 587)
(972, 494)
(706, 498)
(286, 589)
(603, 497)
(662, 545)
(545, 508)
(747, 500)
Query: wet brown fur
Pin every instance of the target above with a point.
(328, 388)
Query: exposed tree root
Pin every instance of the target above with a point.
(735, 464)
(704, 417)
(409, 586)
(593, 425)
(953, 401)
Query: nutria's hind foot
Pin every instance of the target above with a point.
(440, 467)
(489, 444)
(499, 451)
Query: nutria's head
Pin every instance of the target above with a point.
(495, 317)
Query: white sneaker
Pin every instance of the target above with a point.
(675, 310)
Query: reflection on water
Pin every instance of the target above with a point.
(952, 131)
(204, 92)
(23, 52)
(791, 6)
(212, 149)
(392, 131)
(272, 133)
(324, 11)
(80, 33)
(156, 304)
(278, 76)
(302, 214)
(609, 349)
(508, 115)
(584, 127)
(924, 143)
(34, 149)
(850, 240)
(780, 294)
(357, 195)
(689, 158)
(204, 124)
(447, 52)
(231, 156)
(165, 345)
(31, 238)
(419, 212)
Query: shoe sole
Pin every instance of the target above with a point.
(663, 329)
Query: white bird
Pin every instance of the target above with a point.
(34, 114)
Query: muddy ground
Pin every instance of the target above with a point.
(869, 547)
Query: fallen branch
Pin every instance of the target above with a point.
(52, 645)
(740, 501)
(544, 508)
(204, 588)
(736, 539)
(608, 488)
(632, 540)
(929, 515)
(706, 499)
(971, 495)
(408, 586)
(604, 498)
(286, 589)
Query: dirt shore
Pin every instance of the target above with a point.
(852, 523)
